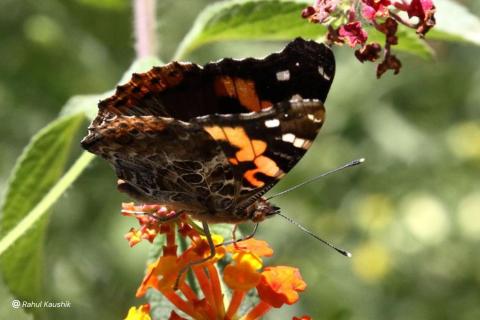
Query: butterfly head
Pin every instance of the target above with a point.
(262, 209)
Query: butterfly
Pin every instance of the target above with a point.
(212, 140)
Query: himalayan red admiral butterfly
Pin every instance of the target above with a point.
(211, 140)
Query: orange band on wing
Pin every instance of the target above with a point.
(224, 87)
(233, 161)
(241, 89)
(249, 151)
(247, 95)
(264, 165)
(216, 132)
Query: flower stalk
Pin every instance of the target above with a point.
(144, 28)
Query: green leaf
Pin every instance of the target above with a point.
(455, 23)
(35, 186)
(29, 196)
(86, 104)
(106, 4)
(410, 42)
(249, 20)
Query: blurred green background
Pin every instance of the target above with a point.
(410, 215)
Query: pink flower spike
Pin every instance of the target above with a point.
(372, 9)
(320, 11)
(353, 33)
(419, 8)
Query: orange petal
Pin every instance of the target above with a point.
(160, 275)
(168, 271)
(129, 206)
(258, 247)
(150, 280)
(280, 285)
(240, 278)
(247, 260)
(133, 236)
(149, 234)
(200, 249)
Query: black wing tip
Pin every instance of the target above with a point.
(302, 44)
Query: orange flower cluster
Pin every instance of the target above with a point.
(243, 272)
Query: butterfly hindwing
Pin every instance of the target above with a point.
(147, 157)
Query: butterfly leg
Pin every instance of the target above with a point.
(208, 235)
(234, 240)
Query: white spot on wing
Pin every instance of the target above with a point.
(313, 118)
(283, 75)
(296, 97)
(288, 137)
(298, 143)
(272, 123)
(323, 73)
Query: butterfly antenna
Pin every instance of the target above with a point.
(341, 251)
(347, 165)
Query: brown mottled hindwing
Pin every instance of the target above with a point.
(167, 161)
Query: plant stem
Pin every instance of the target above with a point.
(145, 26)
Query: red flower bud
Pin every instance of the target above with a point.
(308, 12)
(391, 62)
(369, 52)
